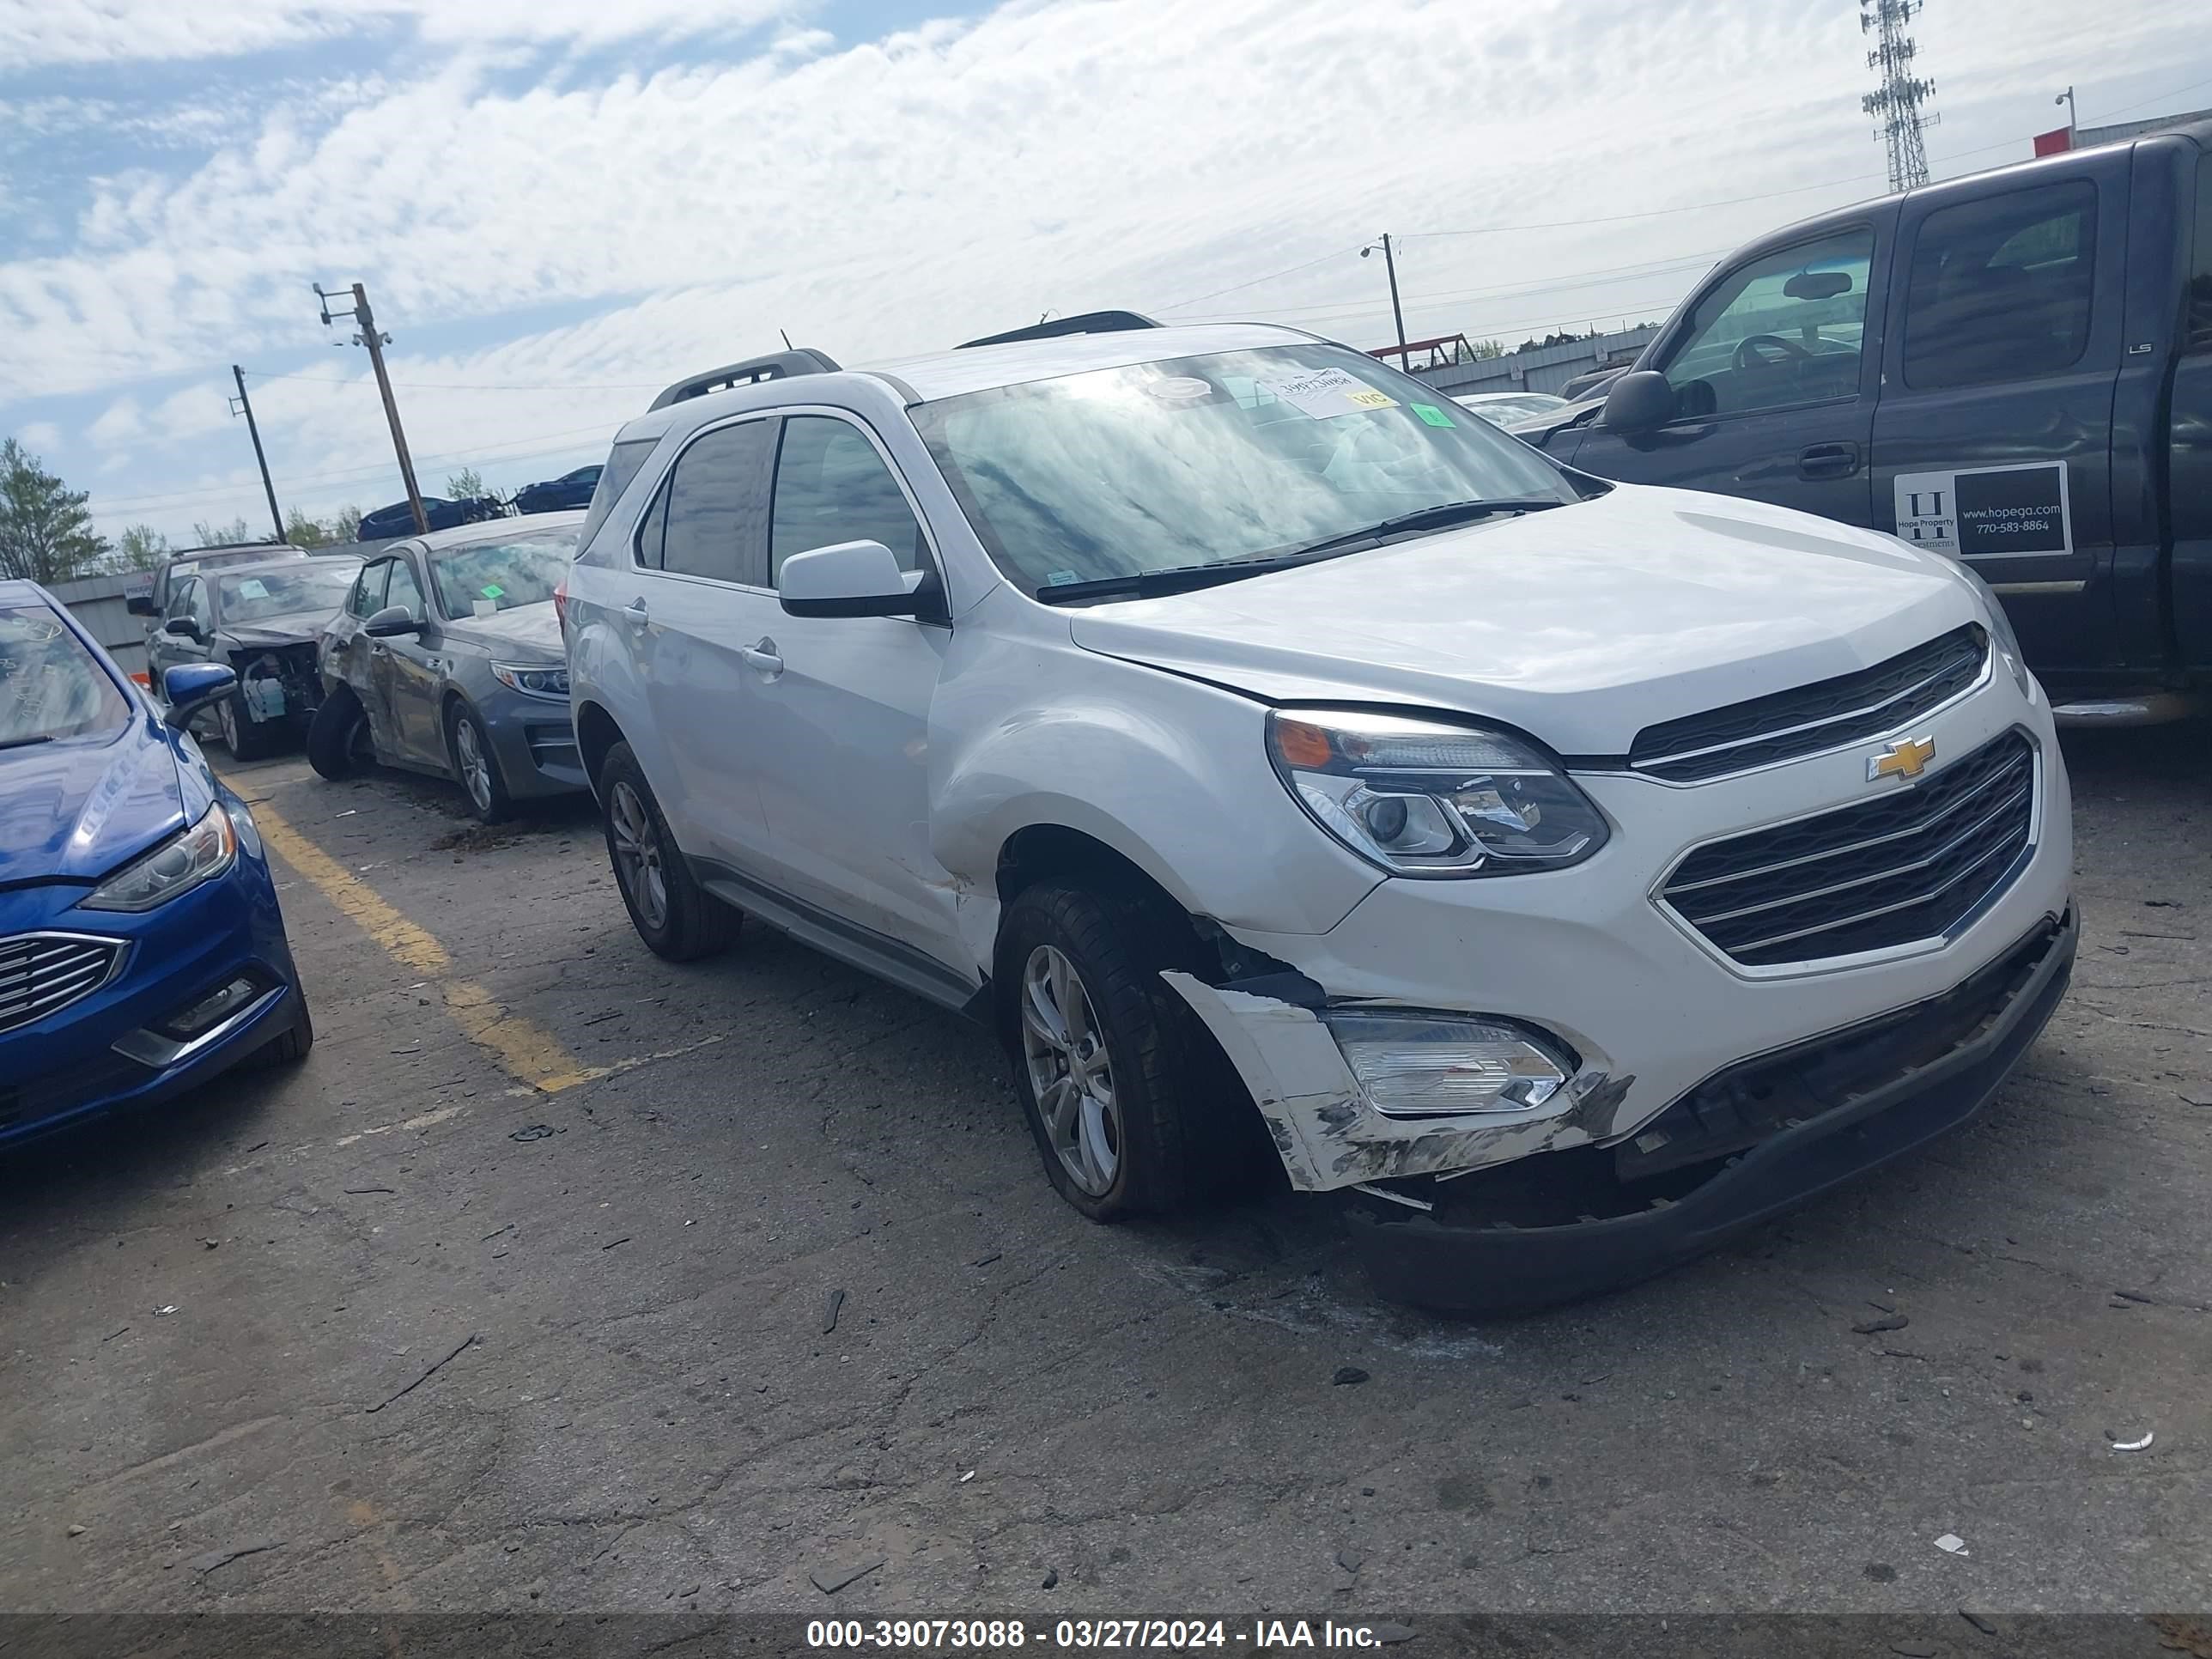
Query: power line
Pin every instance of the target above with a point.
(1238, 287)
(472, 386)
(1568, 280)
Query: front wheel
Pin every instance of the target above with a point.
(246, 739)
(676, 917)
(475, 766)
(1103, 1060)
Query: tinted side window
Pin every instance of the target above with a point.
(1999, 288)
(623, 463)
(2198, 327)
(197, 604)
(714, 502)
(406, 590)
(368, 596)
(831, 486)
(1781, 329)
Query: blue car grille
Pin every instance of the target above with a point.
(41, 974)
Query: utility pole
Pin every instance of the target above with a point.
(1899, 98)
(1397, 315)
(242, 405)
(2072, 126)
(376, 341)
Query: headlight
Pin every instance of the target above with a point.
(1426, 798)
(2002, 638)
(532, 681)
(1440, 1064)
(180, 864)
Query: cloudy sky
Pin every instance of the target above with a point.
(560, 205)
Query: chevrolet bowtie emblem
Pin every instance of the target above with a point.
(1905, 758)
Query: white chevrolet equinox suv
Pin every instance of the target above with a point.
(1568, 874)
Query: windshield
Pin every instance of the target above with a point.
(488, 577)
(315, 585)
(1212, 459)
(51, 686)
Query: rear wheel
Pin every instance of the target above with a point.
(676, 917)
(247, 738)
(475, 766)
(339, 743)
(1105, 1058)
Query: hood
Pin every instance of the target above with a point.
(528, 631)
(75, 810)
(1580, 625)
(265, 633)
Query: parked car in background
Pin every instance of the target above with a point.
(262, 619)
(446, 659)
(1593, 381)
(1206, 706)
(1505, 408)
(2012, 369)
(399, 519)
(570, 489)
(155, 604)
(141, 950)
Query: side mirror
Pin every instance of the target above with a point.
(1639, 400)
(851, 579)
(184, 628)
(141, 604)
(390, 622)
(190, 688)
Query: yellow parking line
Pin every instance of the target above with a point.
(529, 1053)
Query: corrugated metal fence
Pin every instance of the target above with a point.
(1541, 368)
(100, 602)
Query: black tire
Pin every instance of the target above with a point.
(292, 1048)
(246, 739)
(483, 784)
(338, 743)
(683, 921)
(1171, 1148)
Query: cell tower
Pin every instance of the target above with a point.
(1897, 103)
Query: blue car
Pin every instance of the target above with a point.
(141, 948)
(554, 495)
(399, 519)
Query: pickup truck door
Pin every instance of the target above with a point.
(1993, 439)
(1774, 380)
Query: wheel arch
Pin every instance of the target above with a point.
(597, 733)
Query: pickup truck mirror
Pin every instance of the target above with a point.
(191, 687)
(1638, 401)
(141, 604)
(184, 628)
(390, 622)
(848, 578)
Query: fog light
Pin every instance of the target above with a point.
(211, 1010)
(1438, 1064)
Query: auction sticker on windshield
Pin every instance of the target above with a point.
(1328, 393)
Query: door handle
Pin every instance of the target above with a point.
(762, 659)
(637, 613)
(1827, 460)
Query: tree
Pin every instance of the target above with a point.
(465, 485)
(301, 531)
(141, 548)
(346, 526)
(46, 534)
(1484, 350)
(215, 534)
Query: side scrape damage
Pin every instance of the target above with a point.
(1322, 1127)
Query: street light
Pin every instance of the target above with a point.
(2067, 99)
(1397, 315)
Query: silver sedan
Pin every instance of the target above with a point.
(448, 660)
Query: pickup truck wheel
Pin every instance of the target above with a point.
(338, 739)
(246, 739)
(1101, 1055)
(676, 917)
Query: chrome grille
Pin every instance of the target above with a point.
(1907, 865)
(1848, 708)
(42, 973)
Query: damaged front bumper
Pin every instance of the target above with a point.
(1759, 1139)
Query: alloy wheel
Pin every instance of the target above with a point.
(1071, 1074)
(637, 855)
(227, 717)
(475, 764)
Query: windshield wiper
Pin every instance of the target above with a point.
(1440, 517)
(20, 743)
(1180, 579)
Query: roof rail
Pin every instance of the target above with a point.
(1089, 322)
(804, 360)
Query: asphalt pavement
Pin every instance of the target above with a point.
(560, 1277)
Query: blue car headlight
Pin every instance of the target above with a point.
(197, 853)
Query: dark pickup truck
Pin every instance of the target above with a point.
(2014, 368)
